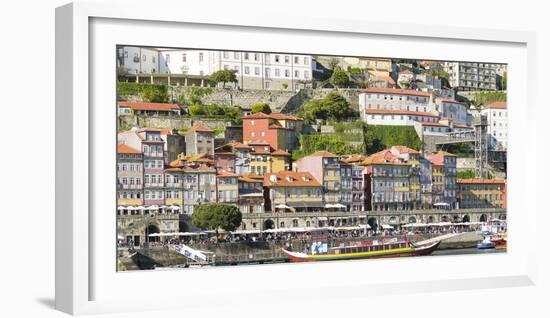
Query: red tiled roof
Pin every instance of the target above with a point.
(296, 179)
(322, 153)
(405, 149)
(432, 124)
(200, 128)
(278, 116)
(399, 112)
(384, 78)
(280, 152)
(122, 148)
(259, 115)
(437, 158)
(275, 126)
(223, 174)
(149, 106)
(395, 91)
(497, 105)
(257, 142)
(481, 181)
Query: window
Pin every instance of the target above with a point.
(287, 59)
(225, 55)
(184, 57)
(246, 57)
(296, 73)
(296, 59)
(277, 60)
(277, 72)
(287, 73)
(256, 57)
(201, 56)
(247, 70)
(235, 55)
(144, 58)
(256, 71)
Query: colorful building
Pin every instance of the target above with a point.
(481, 193)
(291, 191)
(393, 179)
(148, 109)
(129, 176)
(448, 161)
(280, 131)
(251, 194)
(335, 176)
(199, 139)
(228, 187)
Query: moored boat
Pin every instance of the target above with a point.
(363, 251)
(486, 244)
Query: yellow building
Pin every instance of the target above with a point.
(264, 160)
(438, 186)
(378, 67)
(228, 187)
(481, 193)
(290, 191)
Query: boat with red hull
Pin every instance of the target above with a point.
(363, 250)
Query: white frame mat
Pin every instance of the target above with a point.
(86, 280)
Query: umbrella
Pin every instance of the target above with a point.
(121, 208)
(282, 206)
(387, 227)
(441, 204)
(174, 207)
(338, 205)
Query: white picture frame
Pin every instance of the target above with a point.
(82, 285)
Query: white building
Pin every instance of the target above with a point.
(254, 70)
(497, 125)
(471, 76)
(403, 101)
(384, 117)
(138, 60)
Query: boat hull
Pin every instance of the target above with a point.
(400, 252)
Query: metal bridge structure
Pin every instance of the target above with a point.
(478, 137)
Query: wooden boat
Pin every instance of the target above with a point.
(363, 251)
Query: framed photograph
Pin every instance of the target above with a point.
(265, 156)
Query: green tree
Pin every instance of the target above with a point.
(332, 107)
(339, 77)
(155, 93)
(224, 76)
(217, 216)
(196, 110)
(213, 110)
(261, 108)
(466, 174)
(284, 85)
(485, 98)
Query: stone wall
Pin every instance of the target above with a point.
(277, 99)
(286, 101)
(178, 122)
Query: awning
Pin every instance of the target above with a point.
(121, 208)
(387, 227)
(174, 207)
(302, 204)
(282, 206)
(441, 204)
(339, 206)
(322, 218)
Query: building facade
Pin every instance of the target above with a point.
(497, 125)
(467, 76)
(481, 193)
(199, 139)
(129, 176)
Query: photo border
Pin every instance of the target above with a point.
(73, 222)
